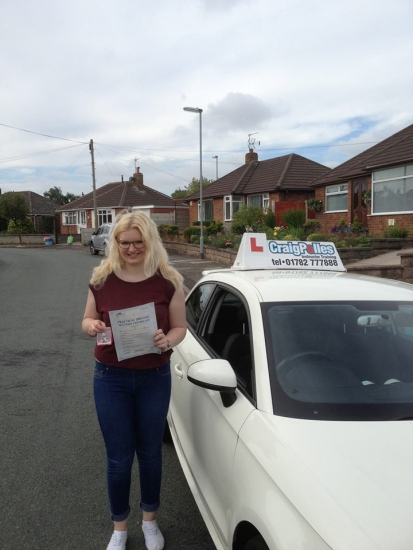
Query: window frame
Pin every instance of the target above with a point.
(70, 216)
(377, 180)
(204, 203)
(230, 201)
(264, 200)
(342, 190)
(103, 216)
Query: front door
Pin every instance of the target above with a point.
(359, 208)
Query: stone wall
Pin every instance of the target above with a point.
(26, 239)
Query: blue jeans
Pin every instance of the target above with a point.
(132, 406)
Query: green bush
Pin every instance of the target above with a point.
(206, 223)
(318, 237)
(352, 241)
(23, 226)
(396, 232)
(214, 227)
(168, 229)
(293, 217)
(248, 219)
(311, 226)
(295, 234)
(192, 231)
(270, 219)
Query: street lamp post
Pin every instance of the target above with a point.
(201, 216)
(216, 160)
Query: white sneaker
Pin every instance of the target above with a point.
(153, 537)
(118, 540)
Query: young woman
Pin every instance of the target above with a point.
(132, 395)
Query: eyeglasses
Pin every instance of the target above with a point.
(126, 244)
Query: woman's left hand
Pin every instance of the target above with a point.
(160, 340)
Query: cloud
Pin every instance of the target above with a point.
(302, 74)
(238, 112)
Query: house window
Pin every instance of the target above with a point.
(104, 216)
(232, 204)
(82, 217)
(70, 218)
(392, 190)
(262, 201)
(336, 198)
(208, 210)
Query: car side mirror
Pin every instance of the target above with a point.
(217, 375)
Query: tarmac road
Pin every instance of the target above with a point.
(52, 482)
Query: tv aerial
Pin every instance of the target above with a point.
(252, 142)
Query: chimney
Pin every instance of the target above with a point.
(138, 177)
(251, 156)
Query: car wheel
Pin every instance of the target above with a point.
(256, 543)
(93, 250)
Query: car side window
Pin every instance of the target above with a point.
(196, 303)
(228, 333)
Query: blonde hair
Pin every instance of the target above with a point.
(156, 257)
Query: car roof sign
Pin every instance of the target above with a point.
(255, 252)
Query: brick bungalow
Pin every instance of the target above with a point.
(42, 211)
(376, 186)
(112, 198)
(279, 183)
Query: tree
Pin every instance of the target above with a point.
(70, 197)
(55, 194)
(192, 187)
(14, 209)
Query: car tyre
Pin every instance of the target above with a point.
(256, 543)
(93, 250)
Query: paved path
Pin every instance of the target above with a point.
(386, 259)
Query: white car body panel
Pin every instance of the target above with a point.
(344, 478)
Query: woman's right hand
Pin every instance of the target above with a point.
(96, 326)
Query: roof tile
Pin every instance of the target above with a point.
(292, 172)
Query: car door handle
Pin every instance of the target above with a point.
(178, 370)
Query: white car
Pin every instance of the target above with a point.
(100, 239)
(292, 402)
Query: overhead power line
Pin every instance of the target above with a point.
(38, 153)
(205, 150)
(40, 134)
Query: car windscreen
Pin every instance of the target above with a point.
(341, 360)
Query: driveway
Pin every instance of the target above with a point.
(52, 487)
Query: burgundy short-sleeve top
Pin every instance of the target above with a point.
(118, 294)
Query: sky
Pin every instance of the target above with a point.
(325, 79)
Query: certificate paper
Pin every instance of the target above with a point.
(133, 329)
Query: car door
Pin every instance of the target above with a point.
(211, 428)
(183, 410)
(98, 240)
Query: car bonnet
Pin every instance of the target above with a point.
(351, 481)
